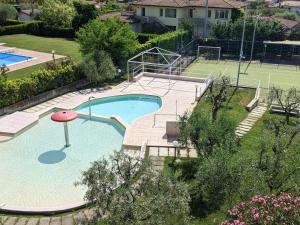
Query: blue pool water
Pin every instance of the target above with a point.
(36, 171)
(128, 107)
(8, 58)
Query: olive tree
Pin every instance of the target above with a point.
(218, 94)
(206, 135)
(7, 12)
(288, 100)
(279, 155)
(127, 191)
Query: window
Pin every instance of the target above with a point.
(161, 12)
(221, 14)
(171, 13)
(209, 13)
(191, 12)
(143, 12)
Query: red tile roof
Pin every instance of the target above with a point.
(188, 3)
(289, 24)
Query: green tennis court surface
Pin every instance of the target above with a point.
(282, 76)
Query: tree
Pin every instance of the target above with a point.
(111, 36)
(278, 158)
(288, 100)
(128, 191)
(266, 30)
(7, 12)
(98, 66)
(57, 14)
(206, 135)
(187, 24)
(218, 94)
(84, 13)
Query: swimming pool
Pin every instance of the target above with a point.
(37, 172)
(9, 59)
(128, 107)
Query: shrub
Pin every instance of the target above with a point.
(7, 12)
(84, 13)
(98, 66)
(57, 14)
(264, 210)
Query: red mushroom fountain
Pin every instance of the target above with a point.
(65, 117)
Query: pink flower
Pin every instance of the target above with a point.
(256, 216)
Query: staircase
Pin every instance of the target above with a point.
(246, 125)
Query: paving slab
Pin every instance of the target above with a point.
(11, 220)
(44, 221)
(32, 221)
(22, 221)
(67, 220)
(80, 218)
(55, 221)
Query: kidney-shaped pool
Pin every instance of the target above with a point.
(128, 107)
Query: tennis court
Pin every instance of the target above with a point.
(268, 74)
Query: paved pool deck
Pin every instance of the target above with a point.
(177, 97)
(37, 57)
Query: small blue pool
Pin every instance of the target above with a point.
(10, 59)
(128, 107)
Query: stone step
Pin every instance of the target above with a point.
(244, 127)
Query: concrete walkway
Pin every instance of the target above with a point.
(246, 125)
(80, 217)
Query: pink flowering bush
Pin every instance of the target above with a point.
(264, 210)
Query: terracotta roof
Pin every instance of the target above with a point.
(188, 3)
(289, 24)
(285, 4)
(291, 3)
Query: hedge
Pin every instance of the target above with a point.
(167, 41)
(13, 91)
(37, 28)
(144, 37)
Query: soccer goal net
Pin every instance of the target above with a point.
(209, 53)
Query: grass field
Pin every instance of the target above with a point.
(61, 46)
(282, 76)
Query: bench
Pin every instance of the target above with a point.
(279, 109)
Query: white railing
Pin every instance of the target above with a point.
(257, 93)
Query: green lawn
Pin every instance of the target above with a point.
(61, 46)
(282, 76)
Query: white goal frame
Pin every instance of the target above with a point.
(209, 47)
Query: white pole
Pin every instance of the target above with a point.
(66, 135)
(241, 52)
(176, 109)
(206, 18)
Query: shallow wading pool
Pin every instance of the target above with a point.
(38, 173)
